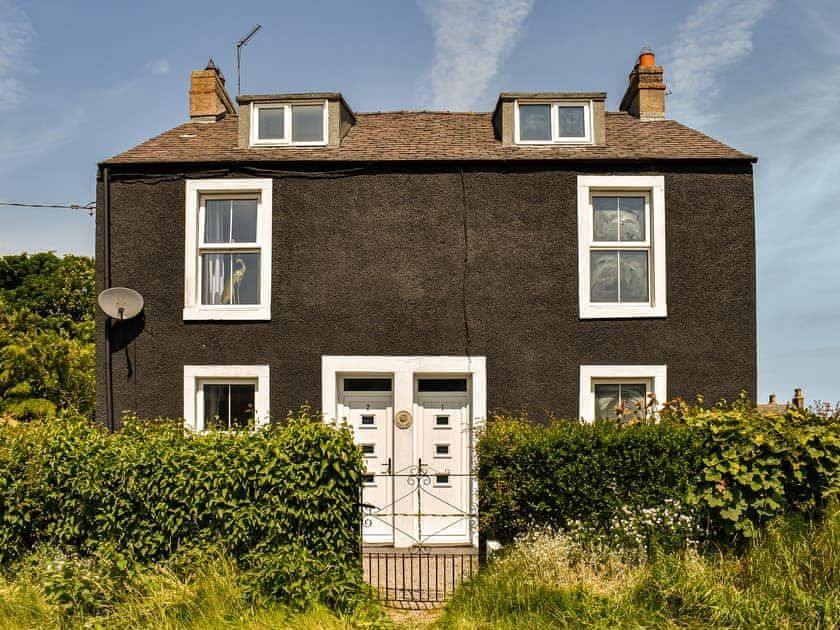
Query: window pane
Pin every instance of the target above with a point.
(603, 277)
(367, 384)
(307, 123)
(230, 278)
(606, 400)
(241, 406)
(244, 224)
(632, 218)
(535, 122)
(271, 123)
(217, 221)
(228, 406)
(442, 385)
(216, 407)
(633, 398)
(571, 122)
(605, 218)
(634, 277)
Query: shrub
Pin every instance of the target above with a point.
(533, 475)
(280, 502)
(729, 468)
(759, 466)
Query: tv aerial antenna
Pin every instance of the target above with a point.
(239, 46)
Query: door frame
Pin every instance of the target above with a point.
(404, 371)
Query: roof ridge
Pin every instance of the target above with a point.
(423, 111)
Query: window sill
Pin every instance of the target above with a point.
(279, 143)
(618, 311)
(554, 142)
(238, 313)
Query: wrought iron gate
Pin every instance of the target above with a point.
(424, 573)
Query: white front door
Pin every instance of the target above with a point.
(367, 404)
(414, 419)
(444, 434)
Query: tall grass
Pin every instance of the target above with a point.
(206, 595)
(789, 577)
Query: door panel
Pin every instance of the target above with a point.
(443, 445)
(370, 413)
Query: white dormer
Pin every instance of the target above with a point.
(296, 120)
(550, 118)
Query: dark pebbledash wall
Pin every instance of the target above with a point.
(374, 264)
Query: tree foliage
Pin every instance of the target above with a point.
(46, 335)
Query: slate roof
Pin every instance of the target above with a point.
(433, 136)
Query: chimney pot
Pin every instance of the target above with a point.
(798, 398)
(772, 399)
(647, 57)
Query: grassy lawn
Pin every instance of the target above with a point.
(789, 578)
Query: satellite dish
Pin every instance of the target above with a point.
(120, 302)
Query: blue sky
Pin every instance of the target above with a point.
(81, 81)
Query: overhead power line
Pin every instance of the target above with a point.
(90, 206)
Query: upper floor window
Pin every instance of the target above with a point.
(285, 123)
(228, 249)
(547, 123)
(621, 246)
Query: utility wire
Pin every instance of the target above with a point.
(90, 206)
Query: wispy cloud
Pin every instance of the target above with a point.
(29, 143)
(472, 38)
(16, 35)
(158, 66)
(717, 35)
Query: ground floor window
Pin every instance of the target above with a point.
(225, 397)
(624, 391)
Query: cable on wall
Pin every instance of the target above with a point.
(465, 205)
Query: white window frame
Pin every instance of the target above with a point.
(590, 375)
(287, 124)
(195, 376)
(653, 188)
(197, 190)
(556, 138)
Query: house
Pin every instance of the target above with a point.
(411, 270)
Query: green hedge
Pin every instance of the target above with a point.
(533, 475)
(732, 467)
(282, 502)
(757, 467)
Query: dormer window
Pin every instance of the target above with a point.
(552, 123)
(300, 124)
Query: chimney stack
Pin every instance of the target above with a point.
(645, 94)
(209, 101)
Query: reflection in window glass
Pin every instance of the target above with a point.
(631, 218)
(535, 122)
(271, 123)
(570, 122)
(307, 123)
(614, 399)
(620, 219)
(619, 276)
(634, 276)
(228, 406)
(230, 278)
(605, 218)
(603, 276)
